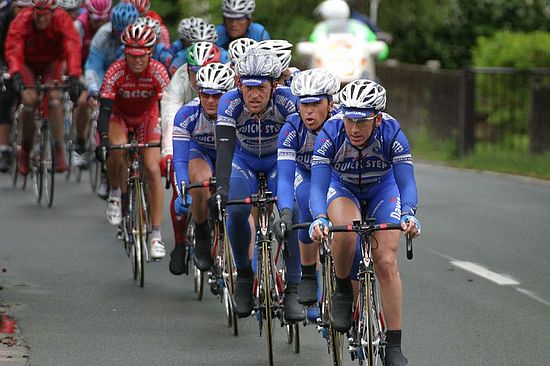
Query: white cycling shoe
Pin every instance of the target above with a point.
(114, 211)
(156, 249)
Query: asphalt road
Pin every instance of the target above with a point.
(476, 293)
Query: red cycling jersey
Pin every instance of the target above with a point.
(134, 94)
(27, 45)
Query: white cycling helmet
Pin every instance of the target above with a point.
(202, 32)
(363, 94)
(70, 4)
(238, 47)
(238, 8)
(312, 85)
(280, 47)
(151, 23)
(257, 65)
(215, 78)
(333, 9)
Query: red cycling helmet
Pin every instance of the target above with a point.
(45, 4)
(138, 39)
(141, 5)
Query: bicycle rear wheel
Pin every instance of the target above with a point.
(15, 149)
(36, 165)
(266, 296)
(94, 166)
(48, 161)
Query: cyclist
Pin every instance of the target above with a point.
(195, 150)
(129, 99)
(249, 120)
(7, 95)
(103, 51)
(367, 155)
(95, 15)
(73, 7)
(143, 7)
(181, 90)
(315, 88)
(42, 42)
(237, 23)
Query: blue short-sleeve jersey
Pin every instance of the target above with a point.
(255, 31)
(192, 128)
(256, 135)
(386, 152)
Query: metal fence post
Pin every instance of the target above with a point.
(466, 125)
(540, 118)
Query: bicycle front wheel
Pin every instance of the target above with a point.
(48, 162)
(266, 294)
(336, 339)
(140, 233)
(94, 165)
(229, 285)
(372, 329)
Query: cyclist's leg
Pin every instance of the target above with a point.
(54, 73)
(343, 208)
(116, 168)
(178, 256)
(7, 99)
(82, 121)
(200, 170)
(155, 191)
(243, 183)
(384, 204)
(309, 250)
(29, 99)
(294, 311)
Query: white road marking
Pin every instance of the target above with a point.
(533, 295)
(481, 271)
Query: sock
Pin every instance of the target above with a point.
(343, 285)
(4, 147)
(309, 271)
(155, 233)
(202, 230)
(115, 193)
(393, 338)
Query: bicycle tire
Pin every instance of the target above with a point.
(49, 162)
(229, 281)
(94, 166)
(36, 165)
(293, 336)
(268, 306)
(15, 151)
(335, 337)
(143, 230)
(137, 232)
(371, 335)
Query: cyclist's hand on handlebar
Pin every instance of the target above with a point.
(319, 228)
(181, 207)
(17, 82)
(102, 150)
(164, 164)
(285, 218)
(92, 99)
(213, 201)
(411, 226)
(75, 88)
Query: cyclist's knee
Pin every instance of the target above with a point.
(29, 98)
(152, 167)
(386, 266)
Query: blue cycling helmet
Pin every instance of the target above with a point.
(123, 15)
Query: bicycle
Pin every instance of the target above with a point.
(268, 287)
(137, 223)
(221, 277)
(93, 137)
(42, 159)
(366, 337)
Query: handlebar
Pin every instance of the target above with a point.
(363, 228)
(134, 146)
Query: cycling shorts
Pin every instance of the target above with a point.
(383, 200)
(47, 72)
(147, 127)
(198, 152)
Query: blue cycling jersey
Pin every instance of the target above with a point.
(255, 31)
(192, 129)
(256, 135)
(386, 152)
(103, 52)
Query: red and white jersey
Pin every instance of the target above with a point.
(134, 94)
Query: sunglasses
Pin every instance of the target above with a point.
(361, 120)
